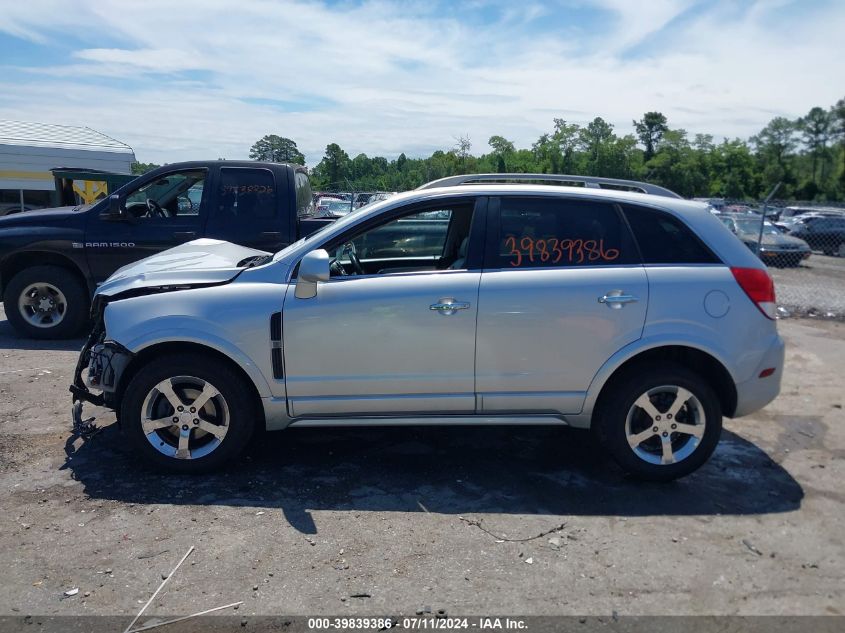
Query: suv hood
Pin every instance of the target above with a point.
(202, 262)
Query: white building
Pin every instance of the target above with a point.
(28, 151)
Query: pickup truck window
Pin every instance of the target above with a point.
(246, 194)
(173, 195)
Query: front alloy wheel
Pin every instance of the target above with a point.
(185, 417)
(188, 413)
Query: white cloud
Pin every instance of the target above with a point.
(194, 79)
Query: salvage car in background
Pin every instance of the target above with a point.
(822, 233)
(776, 249)
(630, 312)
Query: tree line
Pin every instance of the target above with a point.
(806, 155)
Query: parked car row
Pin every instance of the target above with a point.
(775, 248)
(791, 239)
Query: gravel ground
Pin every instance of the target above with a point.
(818, 283)
(379, 521)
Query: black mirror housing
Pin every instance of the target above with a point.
(114, 211)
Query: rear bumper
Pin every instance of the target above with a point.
(756, 393)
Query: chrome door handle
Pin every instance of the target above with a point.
(616, 299)
(448, 306)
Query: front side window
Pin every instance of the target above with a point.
(173, 195)
(435, 239)
(246, 194)
(664, 239)
(555, 232)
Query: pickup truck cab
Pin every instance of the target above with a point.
(53, 260)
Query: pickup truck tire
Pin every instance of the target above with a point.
(658, 422)
(46, 302)
(164, 428)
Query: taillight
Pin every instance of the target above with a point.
(759, 287)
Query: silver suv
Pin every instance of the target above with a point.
(613, 306)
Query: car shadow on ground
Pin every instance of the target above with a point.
(9, 339)
(452, 470)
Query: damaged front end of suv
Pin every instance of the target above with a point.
(103, 360)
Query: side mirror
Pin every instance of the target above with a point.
(313, 268)
(114, 211)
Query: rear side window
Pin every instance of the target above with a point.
(246, 194)
(554, 232)
(664, 239)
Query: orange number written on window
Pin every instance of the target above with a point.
(554, 251)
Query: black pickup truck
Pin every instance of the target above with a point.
(52, 260)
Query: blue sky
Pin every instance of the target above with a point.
(206, 78)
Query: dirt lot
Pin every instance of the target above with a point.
(395, 521)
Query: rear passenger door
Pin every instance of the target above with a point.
(247, 209)
(562, 290)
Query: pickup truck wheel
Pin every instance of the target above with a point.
(187, 413)
(46, 302)
(659, 423)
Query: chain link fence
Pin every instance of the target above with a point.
(803, 246)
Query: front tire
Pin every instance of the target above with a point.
(46, 302)
(188, 413)
(659, 423)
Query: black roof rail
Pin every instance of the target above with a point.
(591, 182)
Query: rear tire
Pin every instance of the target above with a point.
(635, 422)
(192, 439)
(46, 302)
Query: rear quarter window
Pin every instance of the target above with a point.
(664, 239)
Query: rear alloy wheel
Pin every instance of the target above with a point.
(659, 424)
(46, 302)
(665, 425)
(188, 413)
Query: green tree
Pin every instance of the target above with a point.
(650, 130)
(277, 149)
(733, 170)
(502, 149)
(333, 169)
(838, 117)
(143, 168)
(775, 145)
(816, 129)
(676, 165)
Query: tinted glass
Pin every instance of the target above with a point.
(663, 239)
(246, 194)
(303, 195)
(552, 232)
(170, 196)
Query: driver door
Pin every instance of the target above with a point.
(160, 213)
(380, 338)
